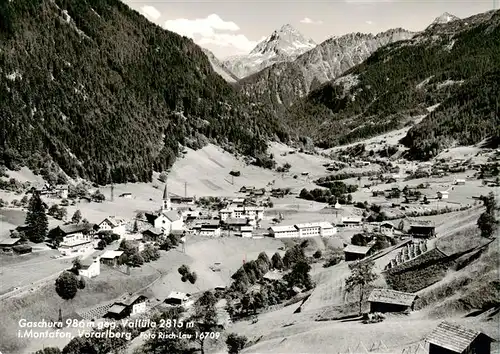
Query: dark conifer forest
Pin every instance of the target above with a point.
(109, 96)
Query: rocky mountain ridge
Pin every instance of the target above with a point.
(282, 83)
(283, 45)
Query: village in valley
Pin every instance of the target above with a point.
(347, 250)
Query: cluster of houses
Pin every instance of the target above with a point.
(53, 191)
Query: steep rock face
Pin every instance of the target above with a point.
(283, 83)
(219, 67)
(282, 45)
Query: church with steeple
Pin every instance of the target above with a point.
(166, 202)
(167, 219)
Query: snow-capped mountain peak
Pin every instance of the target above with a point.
(286, 40)
(283, 45)
(445, 18)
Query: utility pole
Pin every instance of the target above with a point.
(112, 191)
(185, 189)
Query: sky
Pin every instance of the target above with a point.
(230, 28)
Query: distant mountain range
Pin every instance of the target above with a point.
(452, 66)
(93, 88)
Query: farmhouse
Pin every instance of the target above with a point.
(387, 228)
(75, 237)
(354, 253)
(210, 228)
(111, 223)
(245, 231)
(352, 222)
(422, 229)
(235, 224)
(443, 195)
(225, 214)
(152, 234)
(128, 306)
(91, 267)
(387, 300)
(112, 258)
(176, 298)
(125, 195)
(449, 338)
(10, 242)
(459, 182)
(247, 189)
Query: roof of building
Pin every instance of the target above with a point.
(419, 222)
(387, 223)
(130, 300)
(322, 224)
(236, 221)
(113, 221)
(283, 228)
(117, 309)
(273, 275)
(74, 228)
(452, 337)
(111, 254)
(210, 223)
(87, 262)
(352, 219)
(154, 231)
(389, 296)
(357, 249)
(177, 295)
(10, 241)
(172, 215)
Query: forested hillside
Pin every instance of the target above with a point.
(455, 65)
(107, 95)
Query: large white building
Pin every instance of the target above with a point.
(113, 224)
(75, 238)
(313, 229)
(250, 212)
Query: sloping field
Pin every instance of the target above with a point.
(44, 304)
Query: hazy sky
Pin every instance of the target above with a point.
(234, 27)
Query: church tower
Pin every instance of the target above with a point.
(166, 205)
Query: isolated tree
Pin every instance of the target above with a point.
(361, 277)
(77, 265)
(61, 213)
(277, 261)
(235, 343)
(163, 177)
(299, 276)
(36, 219)
(85, 221)
(487, 224)
(318, 254)
(77, 217)
(67, 285)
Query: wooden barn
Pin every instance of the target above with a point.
(449, 338)
(354, 253)
(388, 300)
